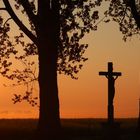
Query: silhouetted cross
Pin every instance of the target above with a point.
(111, 76)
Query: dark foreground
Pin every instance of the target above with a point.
(73, 129)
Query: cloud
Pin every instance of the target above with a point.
(15, 112)
(4, 112)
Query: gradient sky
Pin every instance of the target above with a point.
(87, 96)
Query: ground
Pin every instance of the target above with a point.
(73, 129)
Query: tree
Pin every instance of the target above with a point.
(56, 27)
(127, 14)
(135, 9)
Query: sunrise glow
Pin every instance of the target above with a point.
(87, 96)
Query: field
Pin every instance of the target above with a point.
(74, 129)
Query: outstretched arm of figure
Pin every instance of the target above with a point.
(106, 76)
(115, 77)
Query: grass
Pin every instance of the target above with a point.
(75, 129)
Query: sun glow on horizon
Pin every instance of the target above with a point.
(87, 96)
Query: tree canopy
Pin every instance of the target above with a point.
(127, 14)
(77, 18)
(55, 29)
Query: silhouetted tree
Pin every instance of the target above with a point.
(135, 10)
(55, 29)
(127, 14)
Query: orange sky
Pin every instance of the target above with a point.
(87, 96)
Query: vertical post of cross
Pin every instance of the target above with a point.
(111, 76)
(110, 92)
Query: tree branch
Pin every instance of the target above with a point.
(18, 22)
(2, 8)
(27, 7)
(134, 11)
(6, 21)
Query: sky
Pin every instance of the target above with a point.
(87, 96)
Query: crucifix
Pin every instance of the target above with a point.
(111, 76)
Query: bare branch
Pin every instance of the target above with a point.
(18, 22)
(2, 8)
(6, 21)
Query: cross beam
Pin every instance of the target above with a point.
(113, 73)
(110, 71)
(111, 76)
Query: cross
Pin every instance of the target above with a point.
(111, 76)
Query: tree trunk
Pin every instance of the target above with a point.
(48, 37)
(134, 11)
(49, 103)
(49, 120)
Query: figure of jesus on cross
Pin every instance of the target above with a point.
(111, 76)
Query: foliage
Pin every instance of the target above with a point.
(77, 17)
(8, 53)
(120, 12)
